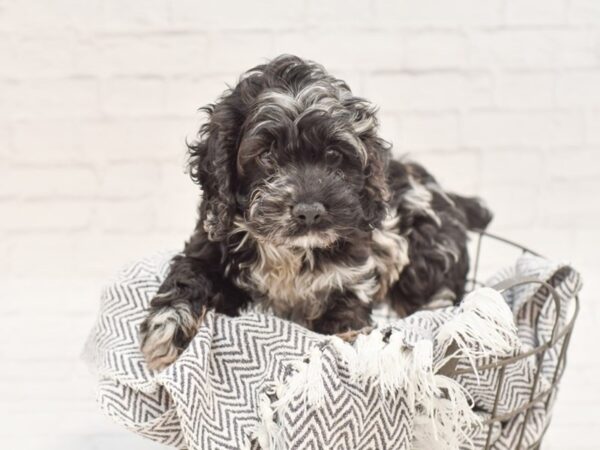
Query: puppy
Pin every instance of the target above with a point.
(305, 215)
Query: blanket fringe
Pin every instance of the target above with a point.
(385, 363)
(484, 326)
(307, 381)
(447, 420)
(267, 432)
(444, 418)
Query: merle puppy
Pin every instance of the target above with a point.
(304, 214)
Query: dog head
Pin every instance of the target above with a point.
(295, 154)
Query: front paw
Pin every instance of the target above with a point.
(166, 332)
(351, 336)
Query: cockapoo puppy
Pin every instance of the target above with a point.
(305, 214)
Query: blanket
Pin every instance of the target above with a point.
(260, 382)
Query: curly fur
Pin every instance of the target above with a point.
(290, 133)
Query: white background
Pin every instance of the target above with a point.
(497, 97)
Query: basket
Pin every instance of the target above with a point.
(163, 411)
(560, 338)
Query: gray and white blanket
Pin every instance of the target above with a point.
(260, 382)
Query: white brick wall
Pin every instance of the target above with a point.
(497, 97)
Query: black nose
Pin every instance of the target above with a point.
(308, 213)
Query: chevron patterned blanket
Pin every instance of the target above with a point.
(260, 382)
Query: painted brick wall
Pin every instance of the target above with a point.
(97, 97)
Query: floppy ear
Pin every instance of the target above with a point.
(375, 194)
(212, 164)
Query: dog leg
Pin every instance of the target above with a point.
(478, 215)
(167, 329)
(175, 311)
(351, 335)
(194, 284)
(345, 314)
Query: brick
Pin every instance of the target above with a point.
(586, 241)
(53, 370)
(515, 166)
(580, 372)
(584, 12)
(571, 204)
(9, 98)
(134, 15)
(55, 215)
(445, 165)
(134, 139)
(573, 437)
(435, 50)
(157, 55)
(577, 48)
(235, 15)
(431, 12)
(390, 130)
(66, 182)
(133, 96)
(354, 14)
(525, 90)
(5, 248)
(54, 344)
(178, 198)
(30, 442)
(529, 129)
(535, 12)
(578, 88)
(429, 92)
(554, 243)
(513, 49)
(50, 251)
(513, 205)
(37, 56)
(60, 16)
(564, 164)
(535, 49)
(75, 424)
(55, 98)
(129, 180)
(185, 96)
(6, 143)
(46, 141)
(126, 216)
(237, 52)
(8, 53)
(102, 254)
(131, 441)
(592, 128)
(345, 50)
(78, 296)
(428, 131)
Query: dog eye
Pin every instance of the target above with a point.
(333, 157)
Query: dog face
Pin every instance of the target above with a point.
(301, 168)
(294, 153)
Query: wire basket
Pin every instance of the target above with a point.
(559, 335)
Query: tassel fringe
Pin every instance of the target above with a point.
(484, 326)
(444, 418)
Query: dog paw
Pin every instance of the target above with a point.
(165, 333)
(351, 335)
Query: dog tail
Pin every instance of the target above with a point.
(478, 215)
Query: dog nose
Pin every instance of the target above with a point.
(308, 213)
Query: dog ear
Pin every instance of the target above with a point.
(212, 165)
(375, 194)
